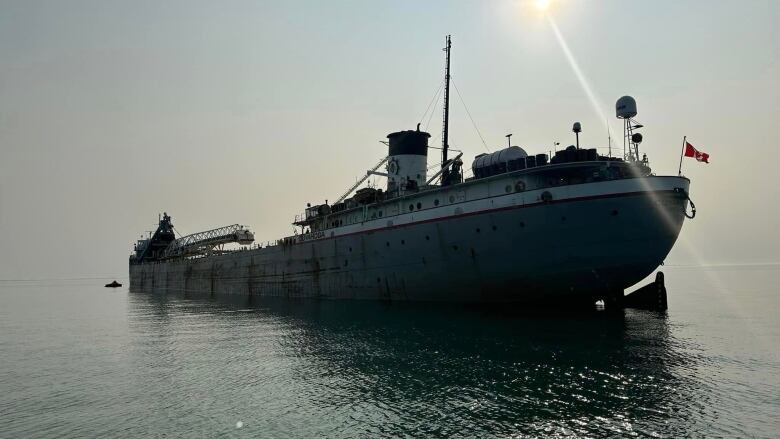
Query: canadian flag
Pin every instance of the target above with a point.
(690, 151)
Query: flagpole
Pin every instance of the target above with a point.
(679, 170)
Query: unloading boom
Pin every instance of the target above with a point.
(203, 242)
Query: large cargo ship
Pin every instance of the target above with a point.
(573, 227)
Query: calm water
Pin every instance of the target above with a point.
(79, 360)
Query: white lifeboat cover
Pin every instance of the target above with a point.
(501, 156)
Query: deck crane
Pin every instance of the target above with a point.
(369, 173)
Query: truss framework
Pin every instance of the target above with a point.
(204, 242)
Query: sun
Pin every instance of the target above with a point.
(542, 5)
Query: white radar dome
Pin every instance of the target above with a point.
(625, 107)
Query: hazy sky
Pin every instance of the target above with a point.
(239, 111)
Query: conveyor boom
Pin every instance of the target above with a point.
(204, 242)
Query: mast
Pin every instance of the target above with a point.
(445, 130)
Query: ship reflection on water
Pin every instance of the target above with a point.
(344, 368)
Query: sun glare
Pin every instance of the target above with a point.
(542, 5)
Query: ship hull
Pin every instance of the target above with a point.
(587, 243)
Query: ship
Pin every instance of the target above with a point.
(573, 227)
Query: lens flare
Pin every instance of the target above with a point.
(577, 72)
(712, 278)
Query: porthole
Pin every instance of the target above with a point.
(350, 249)
(614, 212)
(411, 207)
(419, 205)
(495, 228)
(427, 238)
(563, 218)
(436, 202)
(478, 230)
(380, 214)
(403, 242)
(452, 198)
(522, 224)
(508, 188)
(387, 243)
(346, 262)
(454, 247)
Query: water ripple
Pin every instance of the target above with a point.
(150, 365)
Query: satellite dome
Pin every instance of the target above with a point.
(625, 107)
